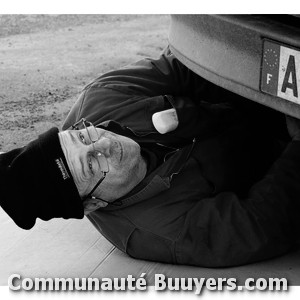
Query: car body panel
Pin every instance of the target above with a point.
(228, 51)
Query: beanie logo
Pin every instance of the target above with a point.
(62, 168)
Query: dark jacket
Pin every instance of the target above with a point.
(218, 199)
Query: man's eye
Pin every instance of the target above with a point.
(90, 164)
(82, 138)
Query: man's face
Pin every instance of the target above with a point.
(126, 165)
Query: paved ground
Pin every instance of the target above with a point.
(44, 62)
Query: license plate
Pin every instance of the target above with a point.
(280, 72)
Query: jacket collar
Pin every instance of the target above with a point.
(157, 181)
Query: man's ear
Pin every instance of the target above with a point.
(91, 204)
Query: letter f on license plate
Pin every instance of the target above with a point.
(280, 72)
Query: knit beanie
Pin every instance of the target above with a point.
(35, 182)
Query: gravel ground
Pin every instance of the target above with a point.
(21, 24)
(45, 60)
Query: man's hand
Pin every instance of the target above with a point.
(293, 126)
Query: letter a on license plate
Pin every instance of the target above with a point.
(280, 72)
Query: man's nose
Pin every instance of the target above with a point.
(103, 145)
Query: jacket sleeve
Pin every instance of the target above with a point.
(145, 79)
(226, 230)
(151, 77)
(131, 95)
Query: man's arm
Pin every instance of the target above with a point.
(227, 230)
(145, 79)
(133, 94)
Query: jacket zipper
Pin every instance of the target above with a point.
(192, 147)
(168, 154)
(139, 134)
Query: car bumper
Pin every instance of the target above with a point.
(228, 49)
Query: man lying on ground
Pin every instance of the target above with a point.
(219, 187)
